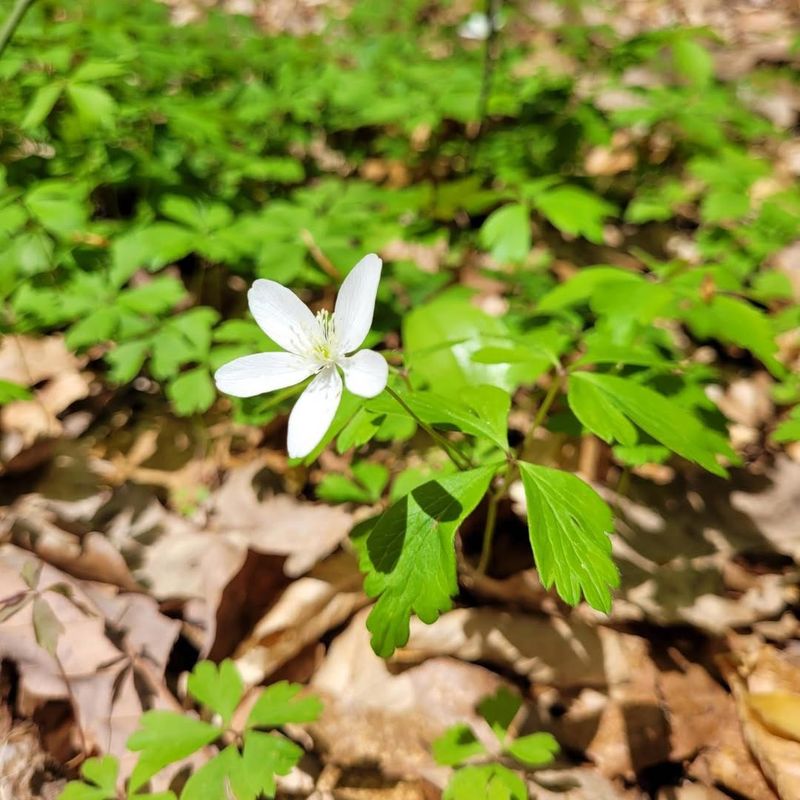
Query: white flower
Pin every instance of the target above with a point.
(315, 345)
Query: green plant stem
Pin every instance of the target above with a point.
(448, 448)
(491, 524)
(13, 20)
(542, 412)
(510, 476)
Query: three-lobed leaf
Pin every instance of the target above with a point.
(218, 687)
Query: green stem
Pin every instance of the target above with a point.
(542, 412)
(448, 448)
(489, 528)
(511, 474)
(13, 20)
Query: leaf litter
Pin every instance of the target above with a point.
(690, 689)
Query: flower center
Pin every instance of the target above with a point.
(325, 347)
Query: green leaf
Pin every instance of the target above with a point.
(282, 703)
(192, 392)
(150, 248)
(98, 326)
(507, 233)
(247, 775)
(456, 745)
(219, 778)
(373, 477)
(409, 558)
(42, 104)
(483, 413)
(100, 776)
(219, 688)
(266, 755)
(126, 360)
(581, 286)
(499, 710)
(569, 526)
(93, 105)
(441, 338)
(155, 297)
(165, 737)
(575, 211)
(46, 626)
(488, 782)
(598, 413)
(535, 750)
(693, 61)
(668, 423)
(60, 206)
(734, 321)
(789, 429)
(9, 392)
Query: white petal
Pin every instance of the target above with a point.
(313, 412)
(365, 373)
(355, 303)
(283, 316)
(262, 372)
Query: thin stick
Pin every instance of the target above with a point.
(448, 448)
(489, 528)
(542, 412)
(12, 22)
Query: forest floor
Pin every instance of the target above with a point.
(177, 542)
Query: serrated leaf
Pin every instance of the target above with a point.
(535, 750)
(126, 360)
(282, 703)
(580, 287)
(482, 411)
(456, 745)
(597, 413)
(488, 782)
(192, 392)
(569, 526)
(165, 737)
(93, 104)
(735, 321)
(507, 233)
(219, 688)
(42, 104)
(668, 423)
(266, 755)
(575, 211)
(499, 710)
(150, 248)
(155, 297)
(409, 558)
(46, 626)
(99, 326)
